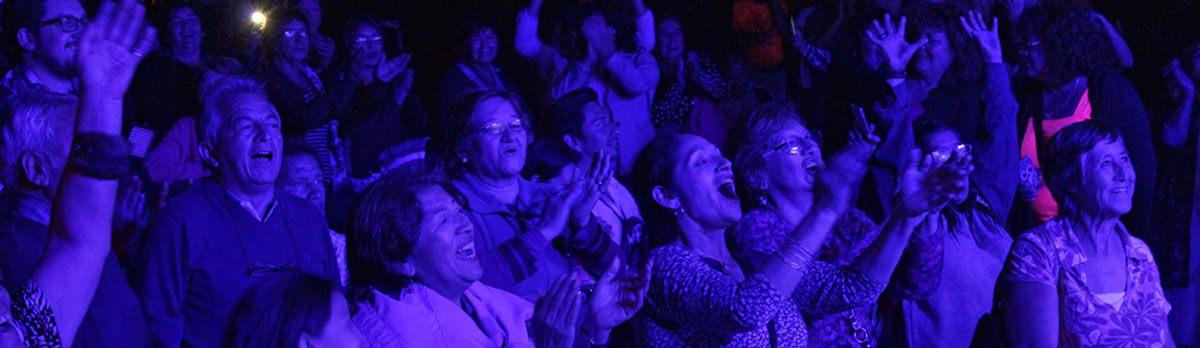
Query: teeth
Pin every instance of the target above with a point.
(466, 250)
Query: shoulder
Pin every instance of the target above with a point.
(672, 257)
(496, 297)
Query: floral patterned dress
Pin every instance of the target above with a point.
(1051, 255)
(35, 318)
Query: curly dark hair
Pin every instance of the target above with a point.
(1068, 39)
(925, 17)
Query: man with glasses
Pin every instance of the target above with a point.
(45, 35)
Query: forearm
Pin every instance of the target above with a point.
(635, 74)
(921, 265)
(645, 27)
(797, 254)
(527, 43)
(879, 260)
(997, 154)
(1120, 48)
(1175, 130)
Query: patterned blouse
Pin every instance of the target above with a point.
(1051, 255)
(35, 319)
(761, 232)
(691, 303)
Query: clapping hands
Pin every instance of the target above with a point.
(927, 184)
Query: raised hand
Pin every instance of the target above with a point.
(890, 38)
(615, 300)
(111, 48)
(593, 185)
(927, 185)
(555, 314)
(988, 39)
(391, 68)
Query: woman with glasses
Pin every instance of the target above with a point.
(1069, 64)
(371, 93)
(527, 234)
(292, 85)
(778, 166)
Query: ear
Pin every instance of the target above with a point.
(665, 198)
(206, 154)
(26, 39)
(572, 142)
(405, 268)
(36, 168)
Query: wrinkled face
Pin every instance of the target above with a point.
(705, 183)
(249, 146)
(312, 11)
(670, 39)
(366, 46)
(481, 48)
(792, 161)
(8, 329)
(339, 331)
(500, 152)
(444, 256)
(935, 57)
(293, 44)
(301, 176)
(598, 132)
(186, 33)
(50, 46)
(598, 33)
(1108, 181)
(946, 141)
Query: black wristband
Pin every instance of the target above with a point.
(98, 155)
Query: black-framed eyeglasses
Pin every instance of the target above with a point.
(291, 33)
(497, 128)
(68, 24)
(796, 146)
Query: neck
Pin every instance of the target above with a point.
(48, 78)
(287, 65)
(1095, 232)
(505, 189)
(791, 207)
(709, 242)
(259, 196)
(452, 292)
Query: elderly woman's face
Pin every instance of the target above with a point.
(496, 140)
(481, 48)
(444, 256)
(705, 183)
(186, 33)
(670, 39)
(935, 57)
(792, 160)
(293, 41)
(1108, 180)
(366, 46)
(249, 148)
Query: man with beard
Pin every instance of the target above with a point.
(45, 35)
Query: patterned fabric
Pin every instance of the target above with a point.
(339, 253)
(692, 304)
(676, 99)
(761, 232)
(34, 315)
(1051, 255)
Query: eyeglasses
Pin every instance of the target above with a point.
(68, 24)
(497, 128)
(363, 41)
(796, 146)
(943, 154)
(294, 33)
(1029, 46)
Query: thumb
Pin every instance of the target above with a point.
(912, 48)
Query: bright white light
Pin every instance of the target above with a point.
(258, 18)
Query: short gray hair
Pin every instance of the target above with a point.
(216, 101)
(33, 122)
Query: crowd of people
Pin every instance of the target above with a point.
(847, 173)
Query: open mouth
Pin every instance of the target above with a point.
(811, 166)
(1121, 191)
(262, 155)
(466, 251)
(727, 189)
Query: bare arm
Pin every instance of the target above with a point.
(1175, 127)
(81, 225)
(1120, 48)
(1031, 314)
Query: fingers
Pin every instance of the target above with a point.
(145, 42)
(133, 26)
(903, 25)
(103, 20)
(610, 274)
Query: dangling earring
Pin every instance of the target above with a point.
(762, 199)
(680, 213)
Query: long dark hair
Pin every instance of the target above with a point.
(276, 313)
(655, 166)
(1070, 42)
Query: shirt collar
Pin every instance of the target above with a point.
(260, 217)
(1070, 252)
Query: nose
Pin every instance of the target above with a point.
(262, 133)
(725, 165)
(1122, 173)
